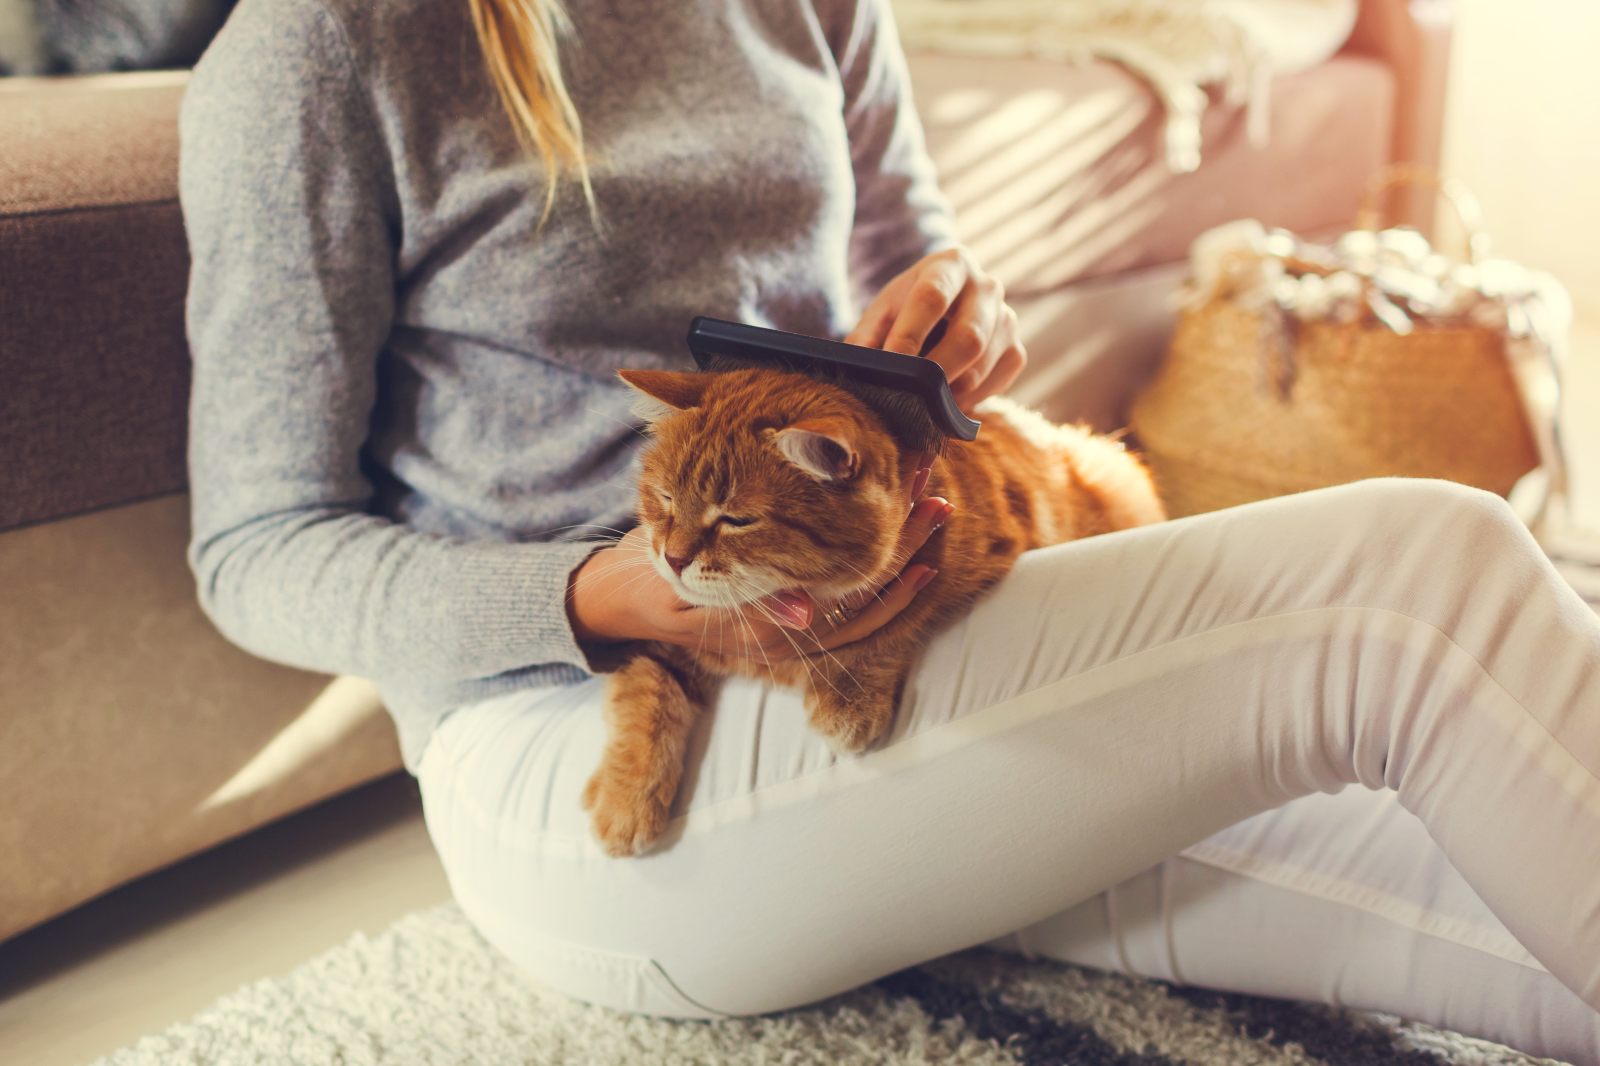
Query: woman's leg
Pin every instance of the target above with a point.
(1336, 898)
(1113, 702)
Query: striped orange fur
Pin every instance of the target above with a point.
(766, 481)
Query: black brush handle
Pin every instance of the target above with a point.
(713, 337)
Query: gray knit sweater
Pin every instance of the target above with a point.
(405, 425)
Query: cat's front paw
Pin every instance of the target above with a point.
(626, 819)
(851, 728)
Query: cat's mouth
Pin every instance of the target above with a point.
(787, 606)
(729, 592)
(777, 596)
(714, 590)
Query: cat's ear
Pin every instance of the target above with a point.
(661, 392)
(822, 447)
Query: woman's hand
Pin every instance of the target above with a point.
(979, 348)
(617, 595)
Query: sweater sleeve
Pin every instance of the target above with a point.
(288, 200)
(901, 215)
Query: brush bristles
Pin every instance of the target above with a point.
(904, 414)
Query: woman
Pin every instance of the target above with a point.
(425, 235)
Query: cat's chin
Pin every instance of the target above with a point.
(713, 593)
(725, 601)
(697, 598)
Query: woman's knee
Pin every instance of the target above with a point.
(1435, 496)
(1448, 517)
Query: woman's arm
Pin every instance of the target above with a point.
(292, 225)
(904, 255)
(901, 216)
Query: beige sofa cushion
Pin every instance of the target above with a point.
(131, 734)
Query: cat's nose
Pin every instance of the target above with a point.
(678, 562)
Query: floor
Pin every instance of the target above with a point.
(159, 950)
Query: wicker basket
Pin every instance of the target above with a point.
(1250, 404)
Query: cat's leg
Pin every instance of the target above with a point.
(650, 709)
(851, 699)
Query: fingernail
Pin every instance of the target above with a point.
(792, 609)
(944, 516)
(922, 580)
(920, 481)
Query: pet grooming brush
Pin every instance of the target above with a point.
(907, 392)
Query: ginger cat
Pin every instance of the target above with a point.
(759, 481)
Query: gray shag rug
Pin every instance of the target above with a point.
(429, 991)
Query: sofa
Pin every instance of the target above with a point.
(132, 735)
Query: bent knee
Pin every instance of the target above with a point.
(1444, 511)
(1427, 493)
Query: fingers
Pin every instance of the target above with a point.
(944, 304)
(935, 286)
(876, 319)
(923, 522)
(1006, 371)
(916, 475)
(893, 598)
(1001, 366)
(966, 346)
(874, 609)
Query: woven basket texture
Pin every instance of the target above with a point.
(1229, 419)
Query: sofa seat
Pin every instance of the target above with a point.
(131, 733)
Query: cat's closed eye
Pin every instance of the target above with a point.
(735, 520)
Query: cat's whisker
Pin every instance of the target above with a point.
(636, 571)
(583, 525)
(720, 614)
(643, 565)
(805, 656)
(759, 647)
(608, 416)
(745, 588)
(705, 628)
(625, 586)
(742, 625)
(738, 631)
(800, 653)
(868, 590)
(767, 611)
(808, 660)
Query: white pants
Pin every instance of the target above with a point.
(1115, 702)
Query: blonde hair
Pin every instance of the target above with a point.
(519, 40)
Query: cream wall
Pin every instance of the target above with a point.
(1523, 131)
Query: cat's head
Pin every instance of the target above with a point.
(757, 482)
